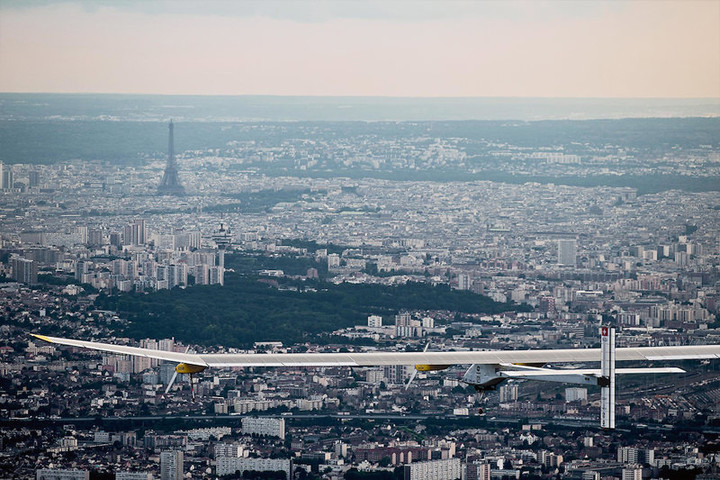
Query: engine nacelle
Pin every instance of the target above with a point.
(431, 368)
(189, 368)
(483, 377)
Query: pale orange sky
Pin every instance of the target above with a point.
(422, 48)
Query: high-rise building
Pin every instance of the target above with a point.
(478, 471)
(508, 393)
(34, 178)
(374, 321)
(24, 270)
(81, 268)
(95, 237)
(341, 449)
(217, 275)
(682, 259)
(170, 184)
(202, 274)
(171, 465)
(6, 176)
(81, 234)
(632, 473)
(567, 251)
(135, 233)
(116, 239)
(405, 326)
(546, 304)
(333, 260)
(176, 275)
(394, 374)
(464, 281)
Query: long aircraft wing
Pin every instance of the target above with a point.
(371, 359)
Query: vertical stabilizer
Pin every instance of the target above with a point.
(607, 370)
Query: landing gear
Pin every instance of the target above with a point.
(480, 395)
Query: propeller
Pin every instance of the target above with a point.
(175, 374)
(415, 370)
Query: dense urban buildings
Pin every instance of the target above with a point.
(265, 254)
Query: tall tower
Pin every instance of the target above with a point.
(170, 184)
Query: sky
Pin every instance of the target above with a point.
(422, 48)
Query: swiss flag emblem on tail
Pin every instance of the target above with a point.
(604, 331)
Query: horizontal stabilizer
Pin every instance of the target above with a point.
(543, 372)
(682, 356)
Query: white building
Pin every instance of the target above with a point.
(59, 474)
(69, 443)
(333, 260)
(230, 465)
(204, 434)
(171, 465)
(229, 450)
(374, 375)
(575, 394)
(271, 427)
(508, 393)
(406, 326)
(567, 252)
(632, 473)
(634, 455)
(375, 321)
(449, 469)
(133, 476)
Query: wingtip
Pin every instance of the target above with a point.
(42, 337)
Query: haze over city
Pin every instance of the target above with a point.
(428, 240)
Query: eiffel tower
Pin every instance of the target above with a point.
(170, 184)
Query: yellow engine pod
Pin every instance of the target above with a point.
(188, 368)
(431, 368)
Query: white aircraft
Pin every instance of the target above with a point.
(487, 368)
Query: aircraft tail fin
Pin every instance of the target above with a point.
(607, 379)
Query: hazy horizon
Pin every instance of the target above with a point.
(149, 107)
